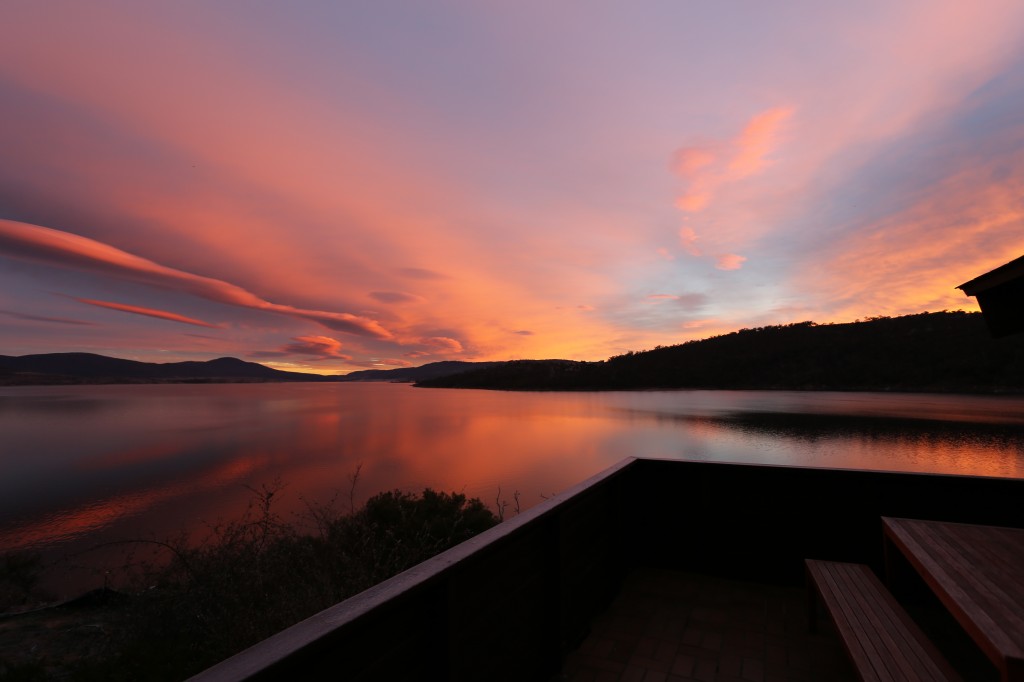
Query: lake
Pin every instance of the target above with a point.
(81, 466)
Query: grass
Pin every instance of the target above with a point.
(191, 605)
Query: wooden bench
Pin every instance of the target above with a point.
(883, 642)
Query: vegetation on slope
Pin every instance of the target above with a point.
(946, 351)
(253, 578)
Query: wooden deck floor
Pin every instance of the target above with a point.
(667, 626)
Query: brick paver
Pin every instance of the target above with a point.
(668, 626)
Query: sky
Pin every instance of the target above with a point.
(327, 186)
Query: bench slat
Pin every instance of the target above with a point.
(882, 640)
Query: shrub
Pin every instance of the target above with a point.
(259, 575)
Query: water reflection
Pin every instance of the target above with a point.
(84, 465)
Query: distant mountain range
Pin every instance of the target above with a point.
(63, 368)
(946, 351)
(89, 368)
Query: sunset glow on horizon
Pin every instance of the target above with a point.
(326, 187)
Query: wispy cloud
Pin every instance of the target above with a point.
(691, 301)
(442, 345)
(755, 145)
(320, 347)
(421, 273)
(730, 261)
(705, 168)
(43, 318)
(688, 238)
(395, 297)
(147, 312)
(64, 249)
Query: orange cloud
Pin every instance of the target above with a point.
(689, 238)
(148, 312)
(395, 297)
(321, 347)
(757, 142)
(421, 273)
(730, 261)
(63, 249)
(442, 344)
(705, 170)
(912, 260)
(688, 161)
(697, 198)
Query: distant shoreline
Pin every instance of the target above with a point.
(60, 380)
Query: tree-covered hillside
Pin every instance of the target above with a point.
(946, 351)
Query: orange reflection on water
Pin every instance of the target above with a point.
(145, 461)
(139, 455)
(93, 516)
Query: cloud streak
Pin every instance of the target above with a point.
(395, 297)
(147, 312)
(43, 318)
(730, 261)
(319, 347)
(707, 168)
(64, 249)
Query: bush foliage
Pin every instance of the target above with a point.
(256, 576)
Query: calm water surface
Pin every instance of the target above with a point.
(86, 465)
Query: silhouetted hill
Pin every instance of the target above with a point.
(64, 368)
(947, 351)
(433, 370)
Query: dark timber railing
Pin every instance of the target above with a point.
(511, 602)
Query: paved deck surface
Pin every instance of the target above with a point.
(667, 626)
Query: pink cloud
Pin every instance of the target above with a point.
(63, 249)
(320, 347)
(706, 169)
(421, 273)
(912, 260)
(395, 297)
(697, 198)
(665, 253)
(757, 142)
(42, 318)
(730, 261)
(688, 161)
(148, 312)
(692, 300)
(689, 238)
(442, 345)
